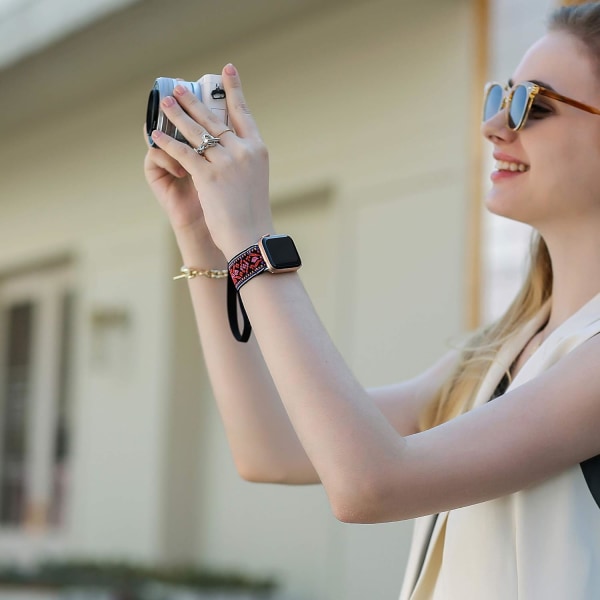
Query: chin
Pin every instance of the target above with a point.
(513, 208)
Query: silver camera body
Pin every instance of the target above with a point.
(208, 89)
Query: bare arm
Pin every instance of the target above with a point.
(263, 442)
(369, 470)
(373, 474)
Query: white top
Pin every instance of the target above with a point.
(539, 543)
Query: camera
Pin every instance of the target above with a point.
(208, 89)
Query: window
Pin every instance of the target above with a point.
(35, 333)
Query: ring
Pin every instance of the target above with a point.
(208, 141)
(224, 131)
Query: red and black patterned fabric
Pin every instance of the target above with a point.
(246, 265)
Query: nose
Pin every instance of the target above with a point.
(495, 129)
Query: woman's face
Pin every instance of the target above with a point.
(559, 145)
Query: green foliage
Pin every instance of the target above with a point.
(121, 576)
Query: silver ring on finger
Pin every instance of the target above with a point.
(208, 141)
(224, 131)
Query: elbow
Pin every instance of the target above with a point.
(253, 474)
(257, 467)
(263, 473)
(367, 503)
(275, 469)
(348, 514)
(356, 512)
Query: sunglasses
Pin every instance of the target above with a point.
(518, 101)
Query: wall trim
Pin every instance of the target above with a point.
(473, 293)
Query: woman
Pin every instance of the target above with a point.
(513, 482)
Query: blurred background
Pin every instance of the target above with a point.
(110, 444)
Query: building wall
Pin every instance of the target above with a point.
(367, 110)
(385, 221)
(70, 192)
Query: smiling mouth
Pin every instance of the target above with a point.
(502, 165)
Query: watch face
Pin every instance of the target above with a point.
(281, 252)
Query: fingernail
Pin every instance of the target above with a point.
(180, 90)
(156, 134)
(230, 69)
(168, 101)
(181, 172)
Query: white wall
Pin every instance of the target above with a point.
(370, 174)
(74, 187)
(377, 203)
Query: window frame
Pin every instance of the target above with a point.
(48, 289)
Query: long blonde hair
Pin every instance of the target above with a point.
(457, 394)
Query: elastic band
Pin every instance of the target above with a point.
(233, 298)
(244, 266)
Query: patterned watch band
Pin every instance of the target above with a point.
(244, 266)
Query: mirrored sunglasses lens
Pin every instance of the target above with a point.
(518, 105)
(493, 101)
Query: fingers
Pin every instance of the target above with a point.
(190, 115)
(179, 152)
(158, 159)
(188, 121)
(239, 114)
(191, 130)
(192, 118)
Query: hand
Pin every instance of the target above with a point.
(231, 178)
(174, 189)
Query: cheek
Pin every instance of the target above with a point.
(551, 171)
(566, 176)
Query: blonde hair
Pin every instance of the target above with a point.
(457, 394)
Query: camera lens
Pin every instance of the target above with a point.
(155, 117)
(152, 112)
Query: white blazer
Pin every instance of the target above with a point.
(541, 543)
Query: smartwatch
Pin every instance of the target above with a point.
(279, 253)
(272, 253)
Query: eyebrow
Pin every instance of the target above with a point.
(537, 82)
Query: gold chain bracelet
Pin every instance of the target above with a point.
(190, 273)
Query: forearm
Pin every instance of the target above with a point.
(346, 437)
(348, 440)
(264, 444)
